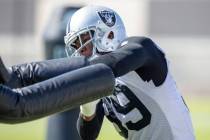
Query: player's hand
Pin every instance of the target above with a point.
(88, 110)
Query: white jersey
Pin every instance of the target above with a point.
(141, 111)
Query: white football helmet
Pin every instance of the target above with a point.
(104, 26)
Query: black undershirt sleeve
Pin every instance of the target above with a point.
(89, 130)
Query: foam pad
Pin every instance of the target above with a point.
(56, 94)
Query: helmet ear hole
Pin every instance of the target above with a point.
(111, 35)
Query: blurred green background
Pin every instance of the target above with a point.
(36, 130)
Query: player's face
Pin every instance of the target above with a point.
(87, 50)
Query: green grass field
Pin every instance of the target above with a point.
(35, 130)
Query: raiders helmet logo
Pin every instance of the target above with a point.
(107, 17)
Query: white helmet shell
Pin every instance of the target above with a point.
(102, 21)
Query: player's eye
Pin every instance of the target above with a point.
(85, 37)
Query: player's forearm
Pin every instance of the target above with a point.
(54, 95)
(30, 73)
(89, 129)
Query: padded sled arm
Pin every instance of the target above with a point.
(56, 94)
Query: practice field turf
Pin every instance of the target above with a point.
(35, 130)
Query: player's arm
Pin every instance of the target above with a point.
(90, 121)
(56, 94)
(133, 53)
(30, 73)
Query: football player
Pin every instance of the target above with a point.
(146, 104)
